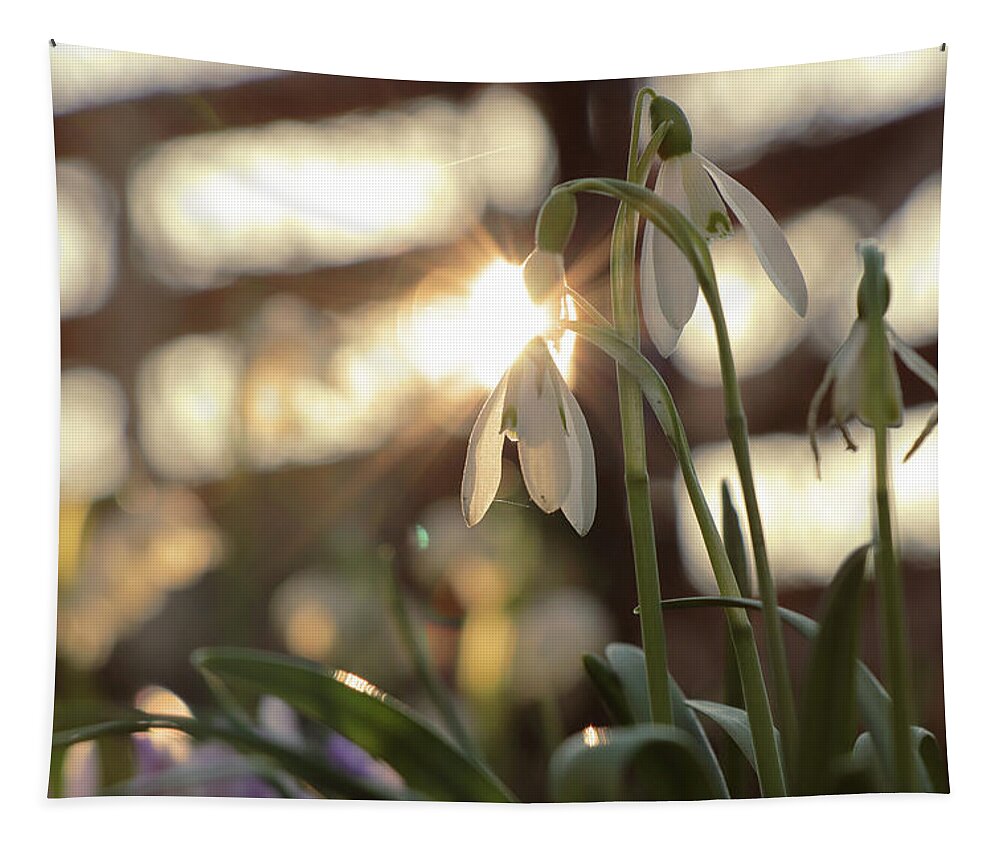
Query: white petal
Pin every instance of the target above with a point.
(914, 362)
(580, 505)
(849, 368)
(661, 332)
(676, 283)
(707, 209)
(766, 237)
(483, 461)
(541, 437)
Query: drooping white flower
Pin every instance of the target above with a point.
(533, 406)
(701, 191)
(871, 398)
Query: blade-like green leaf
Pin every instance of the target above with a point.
(874, 703)
(734, 723)
(732, 536)
(932, 769)
(628, 663)
(325, 778)
(649, 762)
(372, 719)
(932, 773)
(733, 763)
(610, 689)
(828, 714)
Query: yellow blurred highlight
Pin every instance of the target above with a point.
(156, 700)
(594, 736)
(88, 242)
(738, 115)
(812, 524)
(72, 521)
(360, 684)
(485, 653)
(117, 571)
(93, 451)
(81, 770)
(311, 631)
(297, 195)
(188, 406)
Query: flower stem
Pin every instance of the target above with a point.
(736, 425)
(893, 619)
(625, 312)
(652, 385)
(419, 657)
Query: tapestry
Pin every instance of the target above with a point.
(522, 442)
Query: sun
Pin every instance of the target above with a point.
(477, 335)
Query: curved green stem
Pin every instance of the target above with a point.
(765, 740)
(625, 312)
(736, 426)
(419, 657)
(890, 588)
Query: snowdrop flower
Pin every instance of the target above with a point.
(701, 191)
(533, 406)
(873, 399)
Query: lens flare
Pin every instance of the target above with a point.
(476, 336)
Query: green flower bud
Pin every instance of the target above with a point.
(873, 291)
(678, 139)
(881, 402)
(555, 222)
(544, 272)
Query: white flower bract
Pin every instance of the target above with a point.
(846, 374)
(533, 406)
(701, 191)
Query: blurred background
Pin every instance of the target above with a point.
(285, 296)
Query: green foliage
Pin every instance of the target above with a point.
(828, 706)
(650, 762)
(734, 723)
(316, 772)
(873, 702)
(609, 689)
(621, 682)
(383, 726)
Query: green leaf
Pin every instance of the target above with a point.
(865, 760)
(932, 773)
(667, 218)
(372, 719)
(650, 762)
(931, 765)
(828, 706)
(318, 773)
(874, 703)
(628, 663)
(732, 536)
(610, 689)
(734, 723)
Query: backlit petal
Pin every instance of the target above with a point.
(707, 209)
(483, 461)
(580, 504)
(661, 332)
(766, 237)
(849, 368)
(541, 446)
(676, 284)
